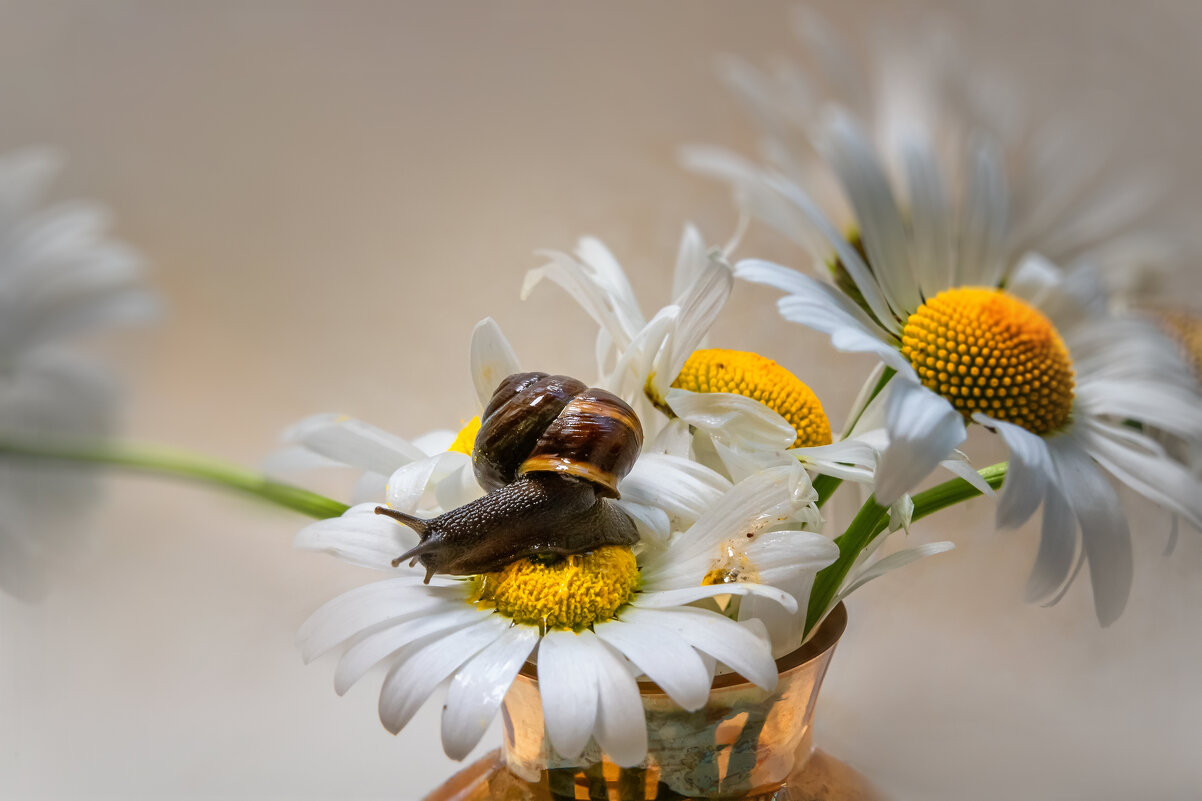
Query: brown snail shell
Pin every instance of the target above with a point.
(551, 451)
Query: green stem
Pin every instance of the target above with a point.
(825, 486)
(162, 461)
(950, 493)
(872, 519)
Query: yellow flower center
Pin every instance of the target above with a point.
(987, 351)
(761, 379)
(572, 593)
(465, 441)
(1187, 330)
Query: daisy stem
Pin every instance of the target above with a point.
(950, 493)
(162, 461)
(825, 486)
(873, 519)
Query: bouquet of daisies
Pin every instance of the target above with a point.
(665, 518)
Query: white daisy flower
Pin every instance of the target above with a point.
(933, 281)
(593, 623)
(1057, 378)
(61, 278)
(709, 404)
(637, 359)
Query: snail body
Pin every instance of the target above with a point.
(550, 452)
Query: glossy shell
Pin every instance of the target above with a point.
(539, 423)
(597, 437)
(513, 422)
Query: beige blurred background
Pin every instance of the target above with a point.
(331, 194)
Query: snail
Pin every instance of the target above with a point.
(550, 453)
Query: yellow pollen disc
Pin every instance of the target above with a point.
(987, 351)
(465, 441)
(572, 593)
(1186, 328)
(761, 379)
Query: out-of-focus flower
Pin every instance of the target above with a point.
(61, 279)
(929, 108)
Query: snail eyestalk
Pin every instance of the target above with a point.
(416, 523)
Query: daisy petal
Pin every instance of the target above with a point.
(1057, 545)
(366, 607)
(353, 442)
(737, 420)
(1105, 536)
(757, 195)
(1029, 474)
(411, 681)
(661, 599)
(664, 657)
(851, 260)
(733, 645)
(409, 485)
(889, 563)
(986, 216)
(959, 466)
(883, 232)
(359, 536)
(621, 724)
(479, 686)
(854, 459)
(929, 215)
(1135, 460)
(763, 272)
(568, 688)
(769, 497)
(492, 359)
(691, 261)
(678, 486)
(923, 429)
(780, 555)
(845, 331)
(699, 307)
(611, 278)
(651, 521)
(416, 624)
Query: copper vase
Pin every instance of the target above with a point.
(745, 743)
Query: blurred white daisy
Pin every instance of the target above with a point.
(61, 279)
(593, 623)
(922, 98)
